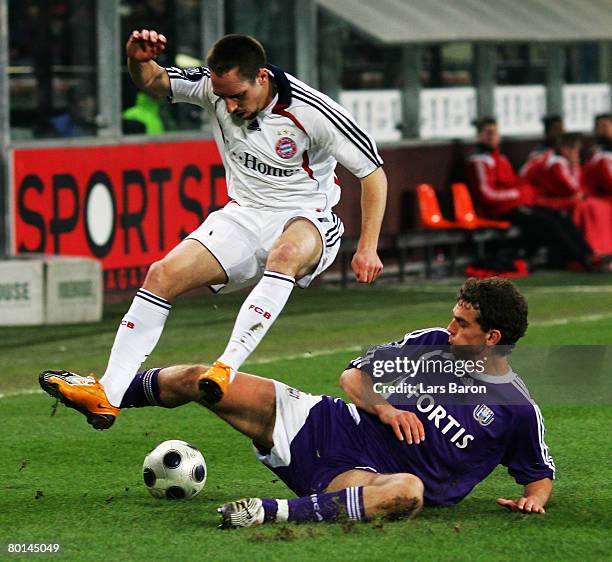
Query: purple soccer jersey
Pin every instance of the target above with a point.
(465, 439)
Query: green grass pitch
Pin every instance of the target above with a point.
(60, 481)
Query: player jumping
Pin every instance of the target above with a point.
(372, 458)
(280, 141)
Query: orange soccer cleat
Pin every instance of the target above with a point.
(214, 382)
(84, 394)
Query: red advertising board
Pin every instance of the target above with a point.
(127, 205)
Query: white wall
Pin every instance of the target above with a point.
(448, 112)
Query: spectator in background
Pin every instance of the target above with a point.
(178, 20)
(496, 187)
(556, 174)
(557, 178)
(598, 167)
(553, 129)
(147, 111)
(501, 194)
(79, 119)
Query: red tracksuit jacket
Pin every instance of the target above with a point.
(494, 184)
(598, 170)
(556, 181)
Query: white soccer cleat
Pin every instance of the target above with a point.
(247, 512)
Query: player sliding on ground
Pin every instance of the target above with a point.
(280, 141)
(372, 458)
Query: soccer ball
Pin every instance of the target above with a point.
(174, 470)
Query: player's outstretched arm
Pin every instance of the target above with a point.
(366, 264)
(358, 387)
(535, 496)
(141, 48)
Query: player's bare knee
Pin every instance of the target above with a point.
(414, 486)
(284, 258)
(159, 280)
(403, 497)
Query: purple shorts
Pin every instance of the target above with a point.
(315, 439)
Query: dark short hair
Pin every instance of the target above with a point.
(602, 116)
(500, 307)
(570, 140)
(237, 51)
(481, 123)
(549, 120)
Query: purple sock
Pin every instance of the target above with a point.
(317, 507)
(143, 390)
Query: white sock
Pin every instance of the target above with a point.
(257, 314)
(136, 337)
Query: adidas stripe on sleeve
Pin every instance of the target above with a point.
(190, 85)
(528, 458)
(332, 128)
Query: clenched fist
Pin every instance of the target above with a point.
(145, 45)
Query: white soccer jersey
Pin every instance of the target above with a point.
(286, 157)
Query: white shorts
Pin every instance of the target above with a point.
(315, 438)
(292, 410)
(241, 238)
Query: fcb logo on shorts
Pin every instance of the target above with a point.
(483, 414)
(286, 147)
(293, 392)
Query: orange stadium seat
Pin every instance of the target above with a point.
(465, 214)
(429, 209)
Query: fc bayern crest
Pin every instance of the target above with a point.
(286, 147)
(483, 414)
